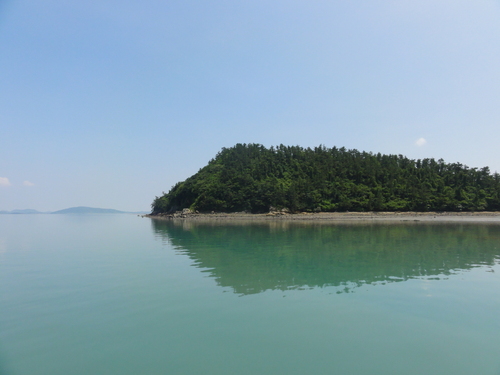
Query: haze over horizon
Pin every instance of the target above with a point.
(109, 103)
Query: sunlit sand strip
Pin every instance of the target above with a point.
(342, 216)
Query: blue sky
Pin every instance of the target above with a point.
(108, 103)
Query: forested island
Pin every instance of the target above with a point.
(253, 178)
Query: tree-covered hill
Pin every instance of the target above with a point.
(251, 177)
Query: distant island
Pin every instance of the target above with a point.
(253, 178)
(73, 210)
(88, 210)
(26, 211)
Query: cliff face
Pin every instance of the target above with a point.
(256, 179)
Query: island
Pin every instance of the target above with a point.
(291, 179)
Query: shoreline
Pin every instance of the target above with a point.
(336, 216)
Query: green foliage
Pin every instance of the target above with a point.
(250, 177)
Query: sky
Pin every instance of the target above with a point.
(108, 103)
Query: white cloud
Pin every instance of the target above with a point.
(27, 183)
(420, 142)
(4, 181)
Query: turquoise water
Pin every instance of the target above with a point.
(120, 294)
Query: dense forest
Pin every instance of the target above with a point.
(253, 178)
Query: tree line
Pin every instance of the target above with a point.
(253, 178)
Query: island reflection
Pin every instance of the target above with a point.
(253, 257)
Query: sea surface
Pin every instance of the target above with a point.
(122, 294)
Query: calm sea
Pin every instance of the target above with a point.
(121, 294)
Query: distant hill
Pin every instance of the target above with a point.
(75, 210)
(89, 210)
(27, 211)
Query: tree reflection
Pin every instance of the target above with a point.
(252, 257)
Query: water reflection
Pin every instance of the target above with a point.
(254, 257)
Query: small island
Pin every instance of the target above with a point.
(290, 179)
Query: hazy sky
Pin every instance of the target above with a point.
(107, 103)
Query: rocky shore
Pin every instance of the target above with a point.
(187, 214)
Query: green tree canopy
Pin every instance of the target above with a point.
(251, 177)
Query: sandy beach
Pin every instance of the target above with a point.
(341, 216)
